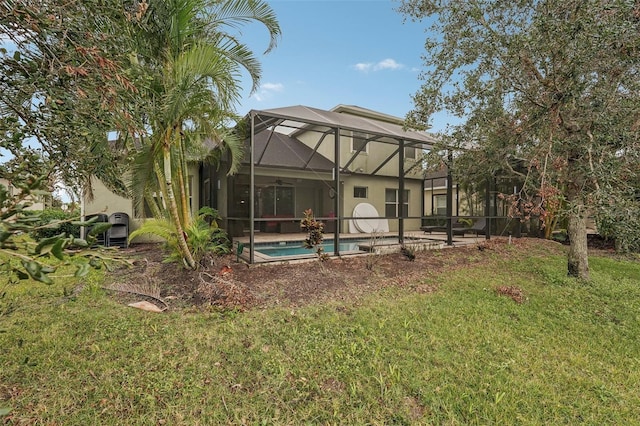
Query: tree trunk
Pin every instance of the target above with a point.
(152, 203)
(183, 186)
(173, 211)
(578, 259)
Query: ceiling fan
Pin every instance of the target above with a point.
(280, 182)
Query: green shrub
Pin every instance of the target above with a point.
(54, 222)
(203, 235)
(620, 221)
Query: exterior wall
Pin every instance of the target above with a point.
(376, 197)
(105, 201)
(365, 161)
(311, 138)
(377, 152)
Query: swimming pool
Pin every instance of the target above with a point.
(296, 248)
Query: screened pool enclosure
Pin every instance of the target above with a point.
(359, 171)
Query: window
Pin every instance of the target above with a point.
(359, 192)
(391, 203)
(410, 152)
(439, 205)
(359, 142)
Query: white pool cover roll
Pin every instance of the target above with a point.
(373, 224)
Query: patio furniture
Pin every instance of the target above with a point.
(118, 234)
(329, 226)
(480, 227)
(458, 227)
(274, 225)
(101, 238)
(289, 227)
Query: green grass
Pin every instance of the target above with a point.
(462, 355)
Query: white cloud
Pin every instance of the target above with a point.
(266, 90)
(388, 64)
(363, 67)
(275, 87)
(385, 64)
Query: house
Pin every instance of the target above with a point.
(359, 170)
(329, 161)
(104, 201)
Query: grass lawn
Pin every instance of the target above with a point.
(462, 355)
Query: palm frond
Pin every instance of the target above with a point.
(235, 13)
(235, 145)
(162, 228)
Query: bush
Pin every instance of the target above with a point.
(59, 221)
(620, 221)
(203, 236)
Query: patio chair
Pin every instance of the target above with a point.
(458, 228)
(480, 227)
(102, 239)
(118, 234)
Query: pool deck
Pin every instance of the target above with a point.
(422, 240)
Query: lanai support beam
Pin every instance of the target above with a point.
(487, 208)
(336, 201)
(252, 192)
(401, 191)
(449, 199)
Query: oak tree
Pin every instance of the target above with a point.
(553, 85)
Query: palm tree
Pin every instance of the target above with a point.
(191, 67)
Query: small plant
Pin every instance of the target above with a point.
(239, 250)
(374, 257)
(315, 236)
(408, 252)
(204, 237)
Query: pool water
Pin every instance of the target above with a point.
(293, 248)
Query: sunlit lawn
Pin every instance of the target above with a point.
(462, 355)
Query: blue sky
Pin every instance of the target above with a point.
(354, 52)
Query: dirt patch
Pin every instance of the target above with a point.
(229, 284)
(513, 292)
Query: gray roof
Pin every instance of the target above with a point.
(274, 149)
(353, 119)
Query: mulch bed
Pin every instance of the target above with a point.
(227, 284)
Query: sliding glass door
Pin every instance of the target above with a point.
(277, 201)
